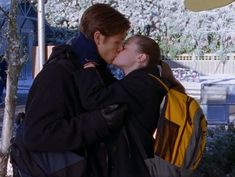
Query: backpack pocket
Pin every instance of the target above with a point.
(166, 136)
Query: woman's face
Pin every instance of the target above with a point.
(109, 47)
(127, 57)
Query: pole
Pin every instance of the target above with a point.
(41, 33)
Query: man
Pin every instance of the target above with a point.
(54, 119)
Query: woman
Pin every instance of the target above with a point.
(143, 95)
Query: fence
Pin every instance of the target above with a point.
(207, 63)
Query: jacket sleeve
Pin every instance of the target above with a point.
(48, 126)
(95, 94)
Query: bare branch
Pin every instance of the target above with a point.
(5, 13)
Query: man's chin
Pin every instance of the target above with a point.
(108, 61)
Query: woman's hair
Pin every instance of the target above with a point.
(103, 18)
(149, 47)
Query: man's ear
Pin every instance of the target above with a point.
(97, 37)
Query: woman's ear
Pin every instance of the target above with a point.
(142, 58)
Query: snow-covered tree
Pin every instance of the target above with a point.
(176, 29)
(15, 59)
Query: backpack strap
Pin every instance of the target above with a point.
(161, 82)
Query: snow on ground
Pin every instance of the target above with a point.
(216, 79)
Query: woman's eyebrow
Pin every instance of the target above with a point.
(125, 42)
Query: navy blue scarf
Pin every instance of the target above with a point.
(85, 49)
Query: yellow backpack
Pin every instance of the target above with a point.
(180, 137)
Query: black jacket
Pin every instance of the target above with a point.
(143, 94)
(55, 119)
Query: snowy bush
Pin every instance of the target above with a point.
(184, 74)
(219, 156)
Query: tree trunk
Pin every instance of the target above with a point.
(9, 113)
(15, 62)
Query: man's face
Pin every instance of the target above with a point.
(109, 47)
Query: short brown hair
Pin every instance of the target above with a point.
(148, 46)
(103, 18)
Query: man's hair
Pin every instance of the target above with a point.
(103, 18)
(148, 46)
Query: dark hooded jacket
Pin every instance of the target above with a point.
(55, 119)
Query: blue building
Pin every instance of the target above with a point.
(27, 29)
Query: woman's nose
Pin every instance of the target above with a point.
(120, 48)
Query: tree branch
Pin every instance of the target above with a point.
(4, 12)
